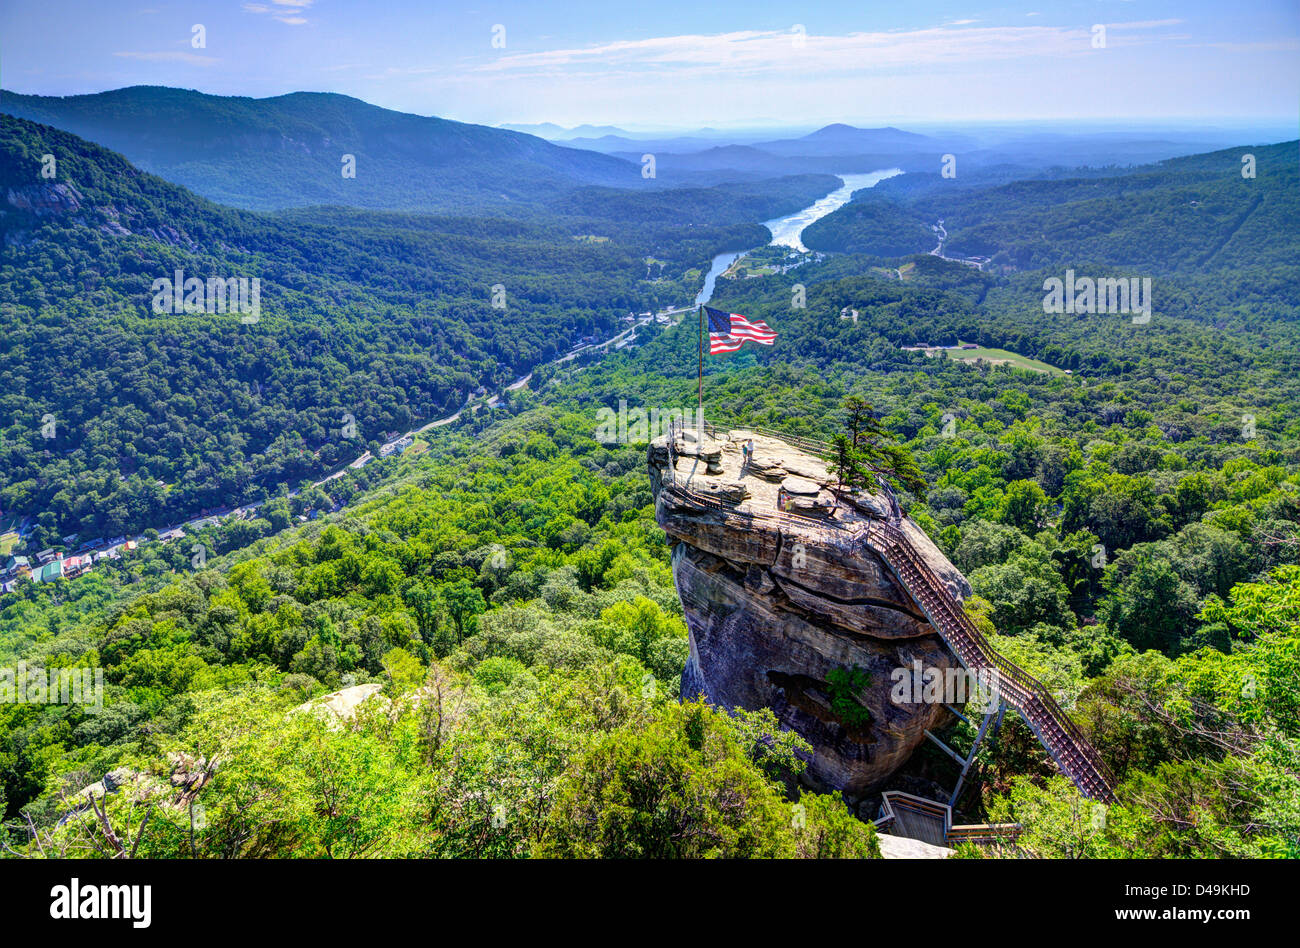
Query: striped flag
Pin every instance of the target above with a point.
(729, 331)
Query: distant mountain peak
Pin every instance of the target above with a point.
(553, 132)
(834, 128)
(841, 130)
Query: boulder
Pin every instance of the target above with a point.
(755, 648)
(801, 486)
(810, 468)
(775, 604)
(822, 504)
(342, 705)
(768, 471)
(730, 491)
(690, 448)
(900, 847)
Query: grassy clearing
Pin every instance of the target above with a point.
(1003, 357)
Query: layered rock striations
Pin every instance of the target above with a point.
(776, 600)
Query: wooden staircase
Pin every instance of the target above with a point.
(1066, 745)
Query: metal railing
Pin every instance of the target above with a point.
(1066, 744)
(896, 807)
(917, 817)
(673, 479)
(984, 833)
(813, 446)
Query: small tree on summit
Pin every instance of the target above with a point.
(868, 450)
(848, 467)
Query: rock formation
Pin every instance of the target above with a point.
(778, 599)
(340, 706)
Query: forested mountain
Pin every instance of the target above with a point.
(1186, 214)
(519, 560)
(872, 224)
(1131, 529)
(288, 151)
(389, 319)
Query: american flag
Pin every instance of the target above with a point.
(729, 331)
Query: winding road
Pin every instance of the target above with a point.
(215, 516)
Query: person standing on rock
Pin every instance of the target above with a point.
(747, 451)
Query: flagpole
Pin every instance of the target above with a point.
(699, 417)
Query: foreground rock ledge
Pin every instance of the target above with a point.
(775, 603)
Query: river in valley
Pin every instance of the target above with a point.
(788, 231)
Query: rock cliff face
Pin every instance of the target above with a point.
(776, 603)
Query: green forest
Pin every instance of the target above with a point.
(385, 318)
(1130, 530)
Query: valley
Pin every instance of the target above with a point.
(420, 550)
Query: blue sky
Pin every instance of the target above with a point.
(681, 64)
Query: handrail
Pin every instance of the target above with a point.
(813, 446)
(984, 832)
(1026, 693)
(910, 801)
(892, 801)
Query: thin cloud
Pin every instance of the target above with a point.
(753, 52)
(195, 59)
(1261, 46)
(286, 11)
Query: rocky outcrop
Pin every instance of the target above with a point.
(776, 603)
(29, 204)
(900, 847)
(45, 200)
(189, 775)
(340, 706)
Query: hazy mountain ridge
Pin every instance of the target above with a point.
(384, 315)
(288, 151)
